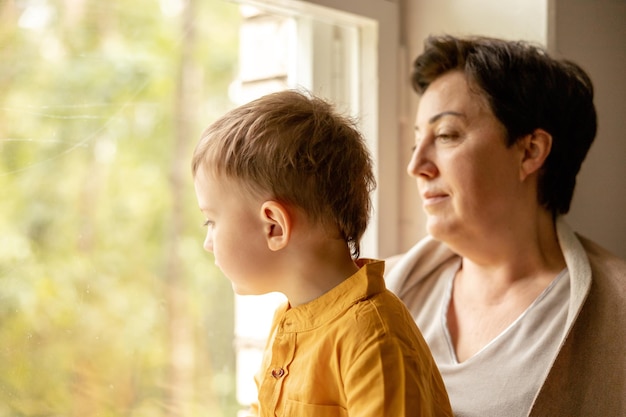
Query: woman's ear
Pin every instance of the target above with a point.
(277, 224)
(535, 147)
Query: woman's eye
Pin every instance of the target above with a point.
(447, 137)
(208, 223)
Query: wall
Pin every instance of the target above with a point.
(591, 33)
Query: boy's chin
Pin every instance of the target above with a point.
(241, 290)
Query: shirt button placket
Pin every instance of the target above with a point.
(278, 371)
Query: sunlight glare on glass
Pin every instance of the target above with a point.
(36, 16)
(171, 8)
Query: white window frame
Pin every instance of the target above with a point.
(379, 108)
(379, 104)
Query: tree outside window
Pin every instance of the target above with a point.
(108, 304)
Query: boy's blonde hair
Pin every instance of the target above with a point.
(299, 150)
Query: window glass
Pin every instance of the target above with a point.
(108, 304)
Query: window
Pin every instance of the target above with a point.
(108, 304)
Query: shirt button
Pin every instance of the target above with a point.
(278, 373)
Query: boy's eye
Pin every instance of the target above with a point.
(208, 223)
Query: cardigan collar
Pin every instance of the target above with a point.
(419, 262)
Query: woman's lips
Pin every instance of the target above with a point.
(431, 198)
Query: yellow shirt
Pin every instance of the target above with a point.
(354, 351)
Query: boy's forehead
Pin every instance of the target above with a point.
(209, 182)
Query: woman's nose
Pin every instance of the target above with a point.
(422, 162)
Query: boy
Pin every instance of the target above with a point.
(284, 183)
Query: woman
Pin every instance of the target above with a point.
(523, 316)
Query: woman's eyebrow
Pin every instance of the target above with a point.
(438, 116)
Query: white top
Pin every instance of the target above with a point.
(504, 376)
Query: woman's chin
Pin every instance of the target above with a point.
(438, 229)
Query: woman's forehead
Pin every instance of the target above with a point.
(450, 94)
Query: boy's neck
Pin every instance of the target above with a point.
(317, 270)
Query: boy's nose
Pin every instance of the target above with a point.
(208, 243)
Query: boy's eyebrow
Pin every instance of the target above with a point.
(438, 116)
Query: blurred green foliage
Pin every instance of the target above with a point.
(108, 304)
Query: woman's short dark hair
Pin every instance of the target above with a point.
(526, 89)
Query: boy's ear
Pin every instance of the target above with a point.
(536, 147)
(277, 224)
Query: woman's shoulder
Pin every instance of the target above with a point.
(606, 267)
(599, 253)
(420, 261)
(392, 261)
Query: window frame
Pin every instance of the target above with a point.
(379, 101)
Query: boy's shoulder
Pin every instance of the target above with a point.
(383, 313)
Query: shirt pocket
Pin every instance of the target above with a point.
(298, 409)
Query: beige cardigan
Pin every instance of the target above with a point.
(588, 376)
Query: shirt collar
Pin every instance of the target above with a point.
(367, 281)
